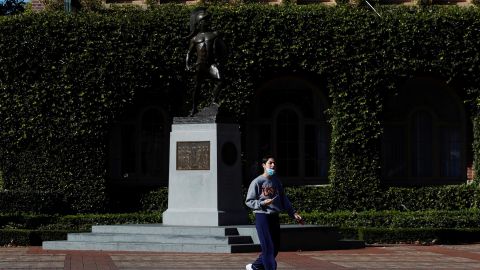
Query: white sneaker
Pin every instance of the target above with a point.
(248, 266)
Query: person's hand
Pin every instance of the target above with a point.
(299, 219)
(267, 202)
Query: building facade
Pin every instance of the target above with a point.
(40, 5)
(426, 140)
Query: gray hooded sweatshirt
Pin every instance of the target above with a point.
(263, 188)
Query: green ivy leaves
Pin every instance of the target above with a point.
(65, 78)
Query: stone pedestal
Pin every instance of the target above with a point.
(204, 187)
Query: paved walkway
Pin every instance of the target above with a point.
(388, 257)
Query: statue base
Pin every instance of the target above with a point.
(209, 114)
(205, 173)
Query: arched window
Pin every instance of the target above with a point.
(424, 135)
(152, 143)
(139, 148)
(288, 138)
(422, 144)
(288, 121)
(451, 152)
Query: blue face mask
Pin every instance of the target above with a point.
(270, 171)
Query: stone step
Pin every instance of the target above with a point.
(215, 239)
(165, 230)
(150, 247)
(158, 238)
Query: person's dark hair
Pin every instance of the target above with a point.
(266, 158)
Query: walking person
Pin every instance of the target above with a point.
(267, 199)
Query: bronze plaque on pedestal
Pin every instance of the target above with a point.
(193, 155)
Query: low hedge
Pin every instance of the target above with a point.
(32, 230)
(418, 235)
(382, 219)
(370, 226)
(306, 199)
(80, 222)
(85, 221)
(321, 198)
(392, 219)
(450, 197)
(20, 237)
(25, 221)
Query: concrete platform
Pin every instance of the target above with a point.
(158, 238)
(202, 239)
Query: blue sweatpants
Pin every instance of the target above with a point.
(268, 230)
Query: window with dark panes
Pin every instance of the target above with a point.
(422, 145)
(139, 147)
(424, 135)
(287, 120)
(288, 147)
(152, 143)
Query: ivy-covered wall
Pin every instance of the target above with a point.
(64, 79)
